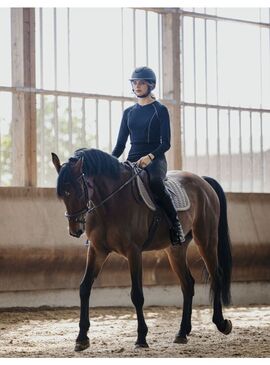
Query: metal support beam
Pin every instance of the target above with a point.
(23, 104)
(171, 83)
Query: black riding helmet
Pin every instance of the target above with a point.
(147, 74)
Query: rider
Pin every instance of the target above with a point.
(148, 125)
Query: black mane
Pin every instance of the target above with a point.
(95, 163)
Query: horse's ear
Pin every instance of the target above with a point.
(78, 166)
(56, 162)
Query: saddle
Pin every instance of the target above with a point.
(177, 192)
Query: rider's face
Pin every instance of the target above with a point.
(140, 87)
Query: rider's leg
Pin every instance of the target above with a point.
(157, 173)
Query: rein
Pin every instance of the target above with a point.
(137, 172)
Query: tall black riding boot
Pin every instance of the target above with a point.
(176, 231)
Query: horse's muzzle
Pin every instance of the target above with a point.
(76, 234)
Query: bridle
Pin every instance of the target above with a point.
(79, 217)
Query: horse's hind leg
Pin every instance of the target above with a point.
(208, 252)
(135, 266)
(177, 258)
(94, 263)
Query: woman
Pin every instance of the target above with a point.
(148, 125)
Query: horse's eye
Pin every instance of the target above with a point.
(67, 193)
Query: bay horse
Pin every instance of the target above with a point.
(97, 191)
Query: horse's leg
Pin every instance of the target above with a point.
(223, 325)
(135, 266)
(208, 251)
(95, 260)
(177, 258)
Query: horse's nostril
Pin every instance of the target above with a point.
(76, 234)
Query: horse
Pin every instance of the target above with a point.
(100, 201)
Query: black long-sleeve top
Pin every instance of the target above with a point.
(149, 129)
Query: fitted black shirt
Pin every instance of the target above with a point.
(149, 129)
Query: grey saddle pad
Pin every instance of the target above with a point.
(175, 189)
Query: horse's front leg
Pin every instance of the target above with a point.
(94, 263)
(135, 266)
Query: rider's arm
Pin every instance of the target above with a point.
(122, 136)
(165, 132)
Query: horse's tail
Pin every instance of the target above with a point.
(224, 243)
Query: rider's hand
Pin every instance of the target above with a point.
(144, 161)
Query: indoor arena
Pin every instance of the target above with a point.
(65, 86)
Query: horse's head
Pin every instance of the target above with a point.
(73, 188)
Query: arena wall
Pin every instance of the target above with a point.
(37, 255)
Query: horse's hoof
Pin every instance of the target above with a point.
(182, 340)
(141, 345)
(228, 328)
(82, 345)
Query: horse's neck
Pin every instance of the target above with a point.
(104, 186)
